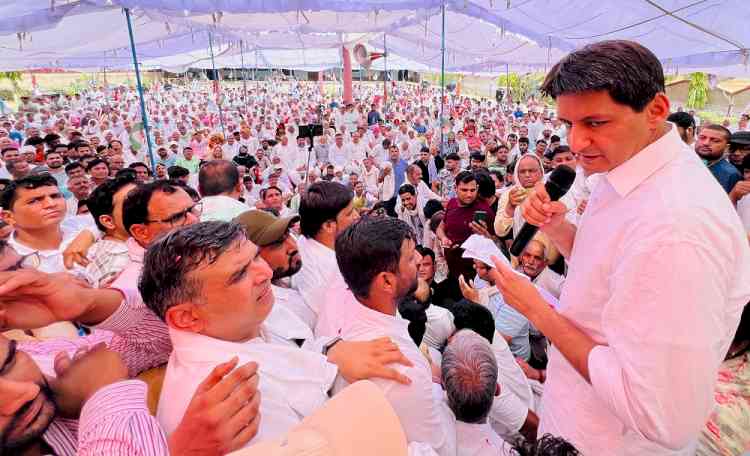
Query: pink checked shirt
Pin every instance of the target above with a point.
(116, 420)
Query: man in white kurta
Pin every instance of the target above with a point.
(424, 418)
(659, 269)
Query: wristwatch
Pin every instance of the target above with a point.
(330, 345)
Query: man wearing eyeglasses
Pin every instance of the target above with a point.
(150, 211)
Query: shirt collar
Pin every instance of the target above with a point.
(135, 251)
(629, 175)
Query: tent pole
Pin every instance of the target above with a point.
(146, 129)
(442, 75)
(244, 74)
(385, 77)
(507, 82)
(216, 82)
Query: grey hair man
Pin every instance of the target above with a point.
(469, 376)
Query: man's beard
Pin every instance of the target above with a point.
(280, 273)
(55, 166)
(31, 438)
(408, 292)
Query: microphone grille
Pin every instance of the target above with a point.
(563, 176)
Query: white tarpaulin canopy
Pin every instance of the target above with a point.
(480, 35)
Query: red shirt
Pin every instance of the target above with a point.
(457, 219)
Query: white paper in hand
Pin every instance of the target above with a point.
(483, 249)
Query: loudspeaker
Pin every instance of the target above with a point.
(499, 95)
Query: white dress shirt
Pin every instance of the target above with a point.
(659, 274)
(743, 209)
(293, 382)
(222, 208)
(479, 440)
(319, 271)
(424, 418)
(439, 326)
(292, 300)
(550, 281)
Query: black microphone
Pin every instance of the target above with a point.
(557, 185)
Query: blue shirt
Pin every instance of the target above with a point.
(508, 322)
(373, 117)
(399, 170)
(726, 174)
(169, 161)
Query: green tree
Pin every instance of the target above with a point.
(521, 86)
(698, 91)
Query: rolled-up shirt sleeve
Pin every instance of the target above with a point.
(116, 421)
(667, 333)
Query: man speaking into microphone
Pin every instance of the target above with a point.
(659, 266)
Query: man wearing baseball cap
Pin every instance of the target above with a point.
(279, 249)
(739, 147)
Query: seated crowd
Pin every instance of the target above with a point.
(222, 294)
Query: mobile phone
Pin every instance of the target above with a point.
(480, 216)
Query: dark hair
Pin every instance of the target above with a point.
(80, 144)
(426, 251)
(541, 141)
(94, 162)
(100, 201)
(497, 173)
(468, 315)
(560, 150)
(50, 137)
(30, 182)
(681, 119)
(523, 139)
(7, 149)
(746, 163)
(416, 313)
(125, 172)
(485, 184)
(630, 73)
(167, 263)
(177, 171)
(407, 188)
(114, 141)
(719, 128)
(554, 138)
(135, 165)
(135, 207)
(465, 177)
(72, 166)
(369, 246)
(60, 146)
(217, 177)
(192, 193)
(478, 156)
(431, 208)
(548, 445)
(50, 152)
(270, 187)
(453, 156)
(322, 202)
